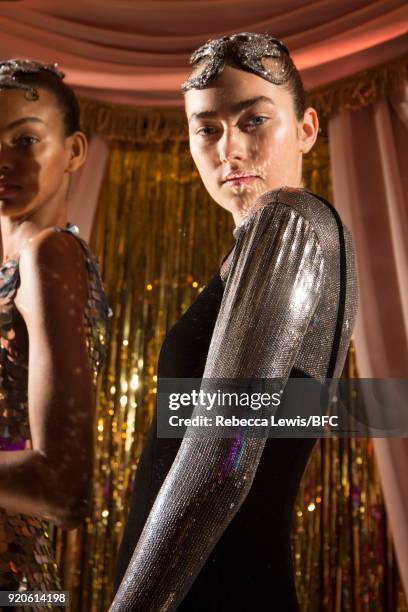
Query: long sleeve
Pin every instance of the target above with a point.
(272, 290)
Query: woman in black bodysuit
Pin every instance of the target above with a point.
(210, 518)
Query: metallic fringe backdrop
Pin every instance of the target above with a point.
(159, 238)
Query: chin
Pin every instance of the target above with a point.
(13, 208)
(8, 208)
(244, 199)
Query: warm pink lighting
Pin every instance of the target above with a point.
(136, 53)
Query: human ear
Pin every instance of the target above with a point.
(77, 148)
(308, 130)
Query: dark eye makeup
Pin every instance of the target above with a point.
(248, 122)
(25, 140)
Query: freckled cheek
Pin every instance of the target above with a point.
(262, 155)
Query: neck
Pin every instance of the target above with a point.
(16, 232)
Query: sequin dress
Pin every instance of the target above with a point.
(26, 557)
(209, 525)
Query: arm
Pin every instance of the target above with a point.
(270, 296)
(53, 479)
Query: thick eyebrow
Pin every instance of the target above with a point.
(18, 122)
(235, 108)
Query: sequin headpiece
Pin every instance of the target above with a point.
(261, 54)
(9, 69)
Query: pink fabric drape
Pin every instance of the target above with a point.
(369, 156)
(85, 187)
(137, 52)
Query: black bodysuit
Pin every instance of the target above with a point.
(283, 305)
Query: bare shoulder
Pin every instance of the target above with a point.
(51, 247)
(52, 259)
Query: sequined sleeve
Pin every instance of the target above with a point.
(273, 287)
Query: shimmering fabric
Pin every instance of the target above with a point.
(11, 69)
(26, 559)
(276, 318)
(261, 54)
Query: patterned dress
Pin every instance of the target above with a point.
(26, 557)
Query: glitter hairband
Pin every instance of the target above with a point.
(10, 68)
(246, 50)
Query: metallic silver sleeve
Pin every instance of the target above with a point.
(273, 287)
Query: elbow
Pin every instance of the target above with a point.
(65, 496)
(65, 522)
(70, 507)
(70, 515)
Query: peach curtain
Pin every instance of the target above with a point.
(136, 53)
(84, 189)
(369, 159)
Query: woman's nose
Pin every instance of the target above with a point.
(231, 146)
(4, 171)
(5, 163)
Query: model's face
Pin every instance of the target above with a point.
(245, 139)
(35, 155)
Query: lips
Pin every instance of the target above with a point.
(6, 190)
(237, 174)
(239, 178)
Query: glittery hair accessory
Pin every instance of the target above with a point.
(261, 54)
(10, 70)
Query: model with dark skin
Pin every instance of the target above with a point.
(52, 477)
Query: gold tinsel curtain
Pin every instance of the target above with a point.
(159, 238)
